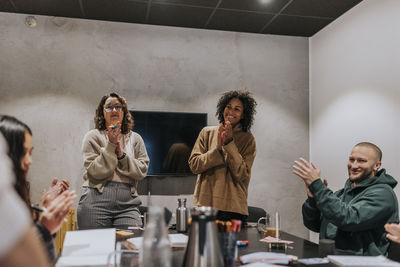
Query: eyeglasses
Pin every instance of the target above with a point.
(111, 108)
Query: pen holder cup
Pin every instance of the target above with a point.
(228, 244)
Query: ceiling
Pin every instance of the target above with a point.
(282, 17)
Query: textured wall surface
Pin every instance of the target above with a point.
(52, 77)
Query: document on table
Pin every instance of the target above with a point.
(177, 241)
(266, 257)
(259, 264)
(362, 261)
(87, 248)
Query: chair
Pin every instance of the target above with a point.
(255, 213)
(68, 225)
(394, 251)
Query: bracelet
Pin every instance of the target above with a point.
(122, 157)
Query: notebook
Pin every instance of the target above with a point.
(266, 257)
(177, 241)
(87, 248)
(362, 261)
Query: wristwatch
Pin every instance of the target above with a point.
(123, 156)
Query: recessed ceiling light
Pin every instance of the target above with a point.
(264, 2)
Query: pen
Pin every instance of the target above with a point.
(114, 127)
(228, 225)
(236, 225)
(38, 208)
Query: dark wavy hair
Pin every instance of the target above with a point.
(13, 131)
(100, 122)
(249, 107)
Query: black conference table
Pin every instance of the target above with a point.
(301, 248)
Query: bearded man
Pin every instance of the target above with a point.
(354, 216)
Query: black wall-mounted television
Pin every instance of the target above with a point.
(169, 138)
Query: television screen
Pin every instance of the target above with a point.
(169, 138)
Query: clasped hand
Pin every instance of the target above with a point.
(54, 214)
(113, 132)
(57, 201)
(224, 134)
(113, 135)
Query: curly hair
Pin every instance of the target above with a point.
(249, 107)
(100, 122)
(14, 131)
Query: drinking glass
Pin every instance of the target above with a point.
(271, 225)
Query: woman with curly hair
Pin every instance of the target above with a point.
(223, 155)
(115, 159)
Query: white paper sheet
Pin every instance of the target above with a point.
(362, 261)
(87, 247)
(177, 241)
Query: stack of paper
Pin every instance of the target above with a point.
(266, 257)
(87, 248)
(362, 261)
(177, 241)
(259, 264)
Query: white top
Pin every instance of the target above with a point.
(14, 219)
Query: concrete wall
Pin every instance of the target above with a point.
(354, 88)
(52, 77)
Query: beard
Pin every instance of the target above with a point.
(365, 174)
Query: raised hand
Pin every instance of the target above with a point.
(309, 172)
(53, 216)
(55, 189)
(228, 132)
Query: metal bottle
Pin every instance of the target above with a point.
(181, 216)
(203, 248)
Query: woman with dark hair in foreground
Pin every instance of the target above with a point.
(57, 200)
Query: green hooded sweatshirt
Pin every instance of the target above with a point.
(354, 216)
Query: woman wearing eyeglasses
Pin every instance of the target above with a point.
(115, 159)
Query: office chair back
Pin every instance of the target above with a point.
(255, 213)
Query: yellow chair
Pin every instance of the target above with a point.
(69, 225)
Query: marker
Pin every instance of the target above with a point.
(228, 225)
(114, 127)
(236, 225)
(242, 243)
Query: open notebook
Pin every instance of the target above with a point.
(87, 248)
